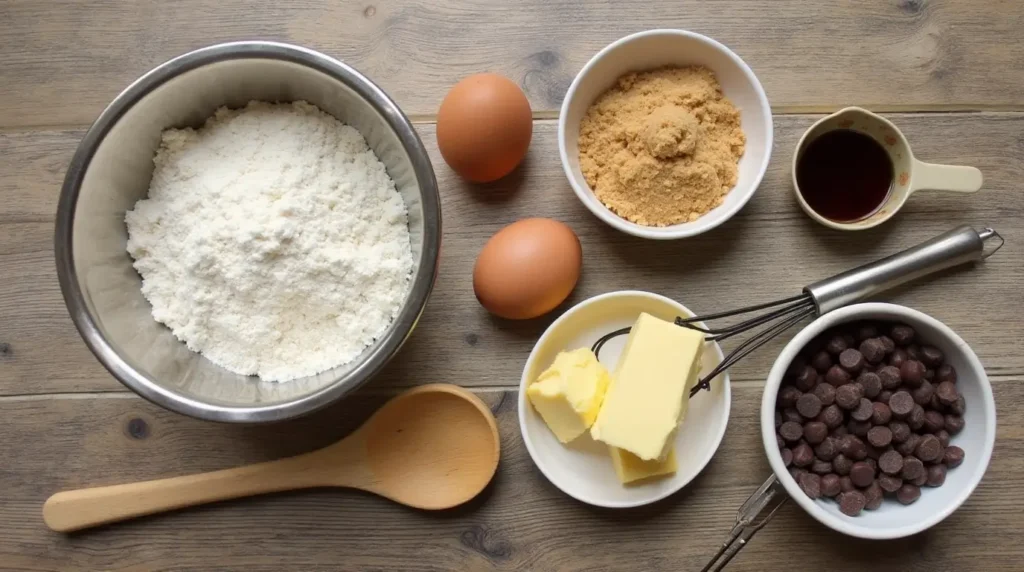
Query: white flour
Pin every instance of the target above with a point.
(272, 240)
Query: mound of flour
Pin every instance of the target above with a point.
(272, 240)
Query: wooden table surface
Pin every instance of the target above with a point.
(948, 72)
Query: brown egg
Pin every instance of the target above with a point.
(484, 127)
(527, 268)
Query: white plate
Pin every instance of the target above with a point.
(582, 469)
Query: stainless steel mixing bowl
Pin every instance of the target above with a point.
(111, 170)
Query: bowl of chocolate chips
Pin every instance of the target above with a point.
(878, 420)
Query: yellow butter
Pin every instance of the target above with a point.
(649, 397)
(632, 469)
(568, 394)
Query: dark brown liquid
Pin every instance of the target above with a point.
(844, 175)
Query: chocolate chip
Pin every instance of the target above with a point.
(901, 334)
(836, 345)
(879, 436)
(826, 394)
(870, 383)
(851, 360)
(815, 432)
(960, 407)
(898, 356)
(810, 484)
(863, 411)
(780, 441)
(887, 343)
(889, 483)
(943, 436)
(929, 374)
(901, 403)
(910, 445)
(803, 456)
(830, 486)
(954, 423)
(876, 452)
(806, 379)
(935, 403)
(853, 448)
(912, 468)
(945, 372)
(891, 462)
(953, 456)
(908, 494)
(808, 405)
(791, 414)
(846, 485)
(914, 352)
(916, 417)
(787, 396)
(884, 397)
(787, 457)
(866, 330)
(862, 474)
(934, 422)
(842, 464)
(859, 428)
(923, 395)
(947, 393)
(796, 366)
(936, 475)
(932, 356)
(821, 467)
(831, 416)
(791, 431)
(873, 496)
(912, 373)
(900, 431)
(921, 480)
(880, 413)
(827, 449)
(821, 362)
(889, 376)
(929, 449)
(851, 503)
(872, 350)
(778, 419)
(837, 376)
(840, 431)
(848, 396)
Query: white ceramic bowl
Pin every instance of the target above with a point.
(658, 48)
(582, 469)
(893, 520)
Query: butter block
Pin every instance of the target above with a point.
(650, 393)
(569, 394)
(631, 469)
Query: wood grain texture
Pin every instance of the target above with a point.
(521, 522)
(63, 60)
(770, 250)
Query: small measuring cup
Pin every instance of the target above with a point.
(910, 174)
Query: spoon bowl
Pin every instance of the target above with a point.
(432, 447)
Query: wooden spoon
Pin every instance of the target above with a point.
(432, 447)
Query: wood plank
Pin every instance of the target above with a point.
(520, 523)
(770, 250)
(63, 60)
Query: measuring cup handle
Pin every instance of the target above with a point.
(956, 178)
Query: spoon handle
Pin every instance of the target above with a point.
(74, 510)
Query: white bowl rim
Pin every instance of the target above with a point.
(774, 380)
(682, 230)
(523, 404)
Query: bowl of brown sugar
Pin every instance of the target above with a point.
(665, 134)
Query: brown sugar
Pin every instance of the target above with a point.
(661, 147)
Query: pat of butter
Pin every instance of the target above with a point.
(649, 397)
(631, 468)
(568, 394)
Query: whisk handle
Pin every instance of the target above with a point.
(958, 246)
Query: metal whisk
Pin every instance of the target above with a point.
(958, 246)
